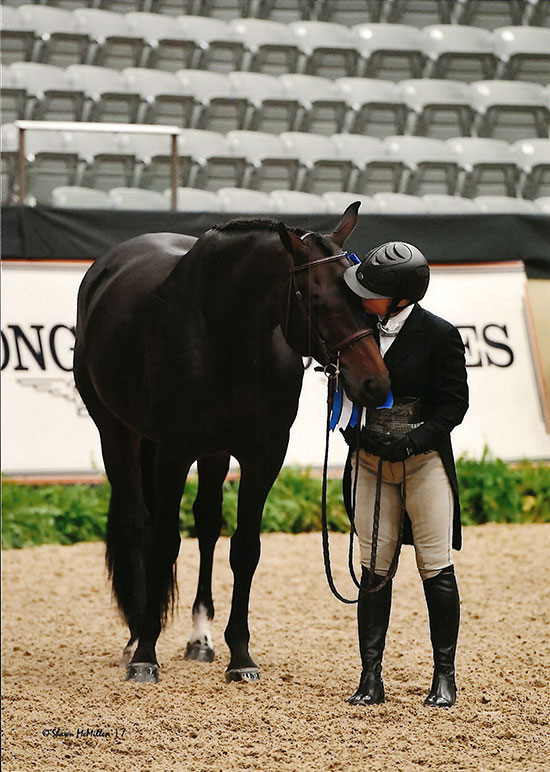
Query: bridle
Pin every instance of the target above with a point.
(331, 351)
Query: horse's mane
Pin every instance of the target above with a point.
(264, 224)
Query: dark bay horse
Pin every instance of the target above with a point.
(198, 357)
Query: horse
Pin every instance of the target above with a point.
(185, 355)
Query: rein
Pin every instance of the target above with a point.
(332, 371)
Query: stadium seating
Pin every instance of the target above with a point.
(75, 197)
(418, 13)
(58, 38)
(297, 202)
(486, 13)
(219, 106)
(114, 42)
(270, 164)
(215, 163)
(271, 107)
(442, 204)
(523, 53)
(162, 98)
(271, 47)
(533, 160)
(244, 201)
(458, 52)
(486, 166)
(504, 205)
(399, 203)
(219, 48)
(50, 95)
(375, 107)
(431, 165)
(374, 170)
(438, 108)
(338, 200)
(327, 49)
(322, 168)
(543, 204)
(17, 38)
(14, 97)
(323, 106)
(389, 51)
(107, 97)
(168, 46)
(136, 198)
(106, 160)
(510, 110)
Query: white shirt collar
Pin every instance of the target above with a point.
(395, 323)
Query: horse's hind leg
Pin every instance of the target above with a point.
(207, 511)
(163, 482)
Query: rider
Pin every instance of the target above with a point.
(424, 355)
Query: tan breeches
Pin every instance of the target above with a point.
(429, 502)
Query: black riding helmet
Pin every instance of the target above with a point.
(395, 270)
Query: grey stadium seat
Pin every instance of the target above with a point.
(337, 201)
(13, 95)
(270, 165)
(431, 164)
(458, 52)
(323, 106)
(375, 107)
(271, 46)
(327, 49)
(487, 13)
(399, 203)
(543, 204)
(216, 164)
(442, 204)
(107, 96)
(297, 202)
(271, 107)
(533, 160)
(162, 96)
(106, 160)
(17, 39)
(168, 46)
(76, 197)
(523, 53)
(58, 38)
(244, 200)
(417, 13)
(220, 106)
(487, 166)
(509, 109)
(374, 171)
(135, 198)
(389, 51)
(438, 108)
(50, 94)
(194, 200)
(114, 43)
(322, 168)
(504, 205)
(219, 48)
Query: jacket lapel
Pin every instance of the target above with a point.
(408, 339)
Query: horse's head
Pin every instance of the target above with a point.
(325, 319)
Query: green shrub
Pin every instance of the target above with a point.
(490, 491)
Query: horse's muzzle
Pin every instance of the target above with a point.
(371, 391)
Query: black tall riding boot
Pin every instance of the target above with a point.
(444, 612)
(373, 616)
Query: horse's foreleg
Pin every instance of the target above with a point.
(207, 511)
(163, 492)
(257, 477)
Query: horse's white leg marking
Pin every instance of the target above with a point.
(201, 628)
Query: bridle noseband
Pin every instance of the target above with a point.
(332, 351)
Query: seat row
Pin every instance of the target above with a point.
(484, 13)
(392, 51)
(292, 102)
(244, 201)
(298, 161)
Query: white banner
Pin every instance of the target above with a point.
(46, 429)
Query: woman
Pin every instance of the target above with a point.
(409, 445)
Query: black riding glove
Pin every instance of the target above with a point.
(399, 450)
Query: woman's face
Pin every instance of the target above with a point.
(379, 306)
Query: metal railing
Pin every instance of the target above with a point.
(114, 128)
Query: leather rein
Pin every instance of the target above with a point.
(332, 372)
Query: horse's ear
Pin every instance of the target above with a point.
(346, 224)
(293, 244)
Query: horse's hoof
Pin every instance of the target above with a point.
(142, 672)
(242, 674)
(199, 652)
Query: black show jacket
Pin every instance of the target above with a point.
(426, 360)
